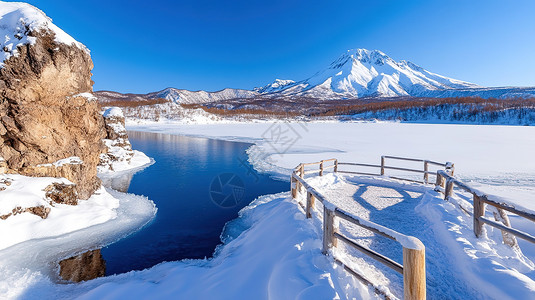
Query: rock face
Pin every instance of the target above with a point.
(119, 150)
(47, 113)
(86, 266)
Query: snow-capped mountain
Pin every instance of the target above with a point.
(355, 74)
(365, 73)
(274, 87)
(188, 97)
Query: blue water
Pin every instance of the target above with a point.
(197, 185)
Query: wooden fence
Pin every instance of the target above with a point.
(413, 268)
(445, 183)
(383, 167)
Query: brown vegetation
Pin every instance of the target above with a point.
(260, 112)
(473, 104)
(132, 103)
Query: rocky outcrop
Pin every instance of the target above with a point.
(47, 113)
(3, 165)
(40, 211)
(119, 150)
(62, 193)
(86, 266)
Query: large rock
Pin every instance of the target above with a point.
(47, 112)
(119, 150)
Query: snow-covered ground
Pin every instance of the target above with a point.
(272, 252)
(29, 269)
(483, 151)
(491, 156)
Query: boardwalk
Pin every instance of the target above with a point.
(392, 204)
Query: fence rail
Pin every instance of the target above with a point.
(445, 183)
(413, 268)
(383, 167)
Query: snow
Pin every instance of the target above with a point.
(485, 153)
(28, 192)
(120, 157)
(293, 266)
(363, 73)
(113, 112)
(89, 96)
(137, 161)
(272, 251)
(275, 86)
(482, 150)
(24, 192)
(28, 269)
(17, 20)
(73, 160)
(497, 271)
(188, 97)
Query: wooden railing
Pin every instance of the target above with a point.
(383, 167)
(445, 183)
(413, 268)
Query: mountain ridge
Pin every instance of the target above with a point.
(357, 73)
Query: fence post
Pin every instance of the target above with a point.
(310, 204)
(335, 165)
(449, 189)
(450, 168)
(414, 274)
(301, 174)
(321, 168)
(329, 228)
(293, 186)
(479, 211)
(501, 216)
(426, 169)
(382, 165)
(439, 181)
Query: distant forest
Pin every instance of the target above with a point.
(465, 109)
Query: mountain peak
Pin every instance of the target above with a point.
(371, 73)
(275, 86)
(364, 56)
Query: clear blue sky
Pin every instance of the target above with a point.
(144, 46)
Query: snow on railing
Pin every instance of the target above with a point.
(413, 268)
(383, 167)
(446, 181)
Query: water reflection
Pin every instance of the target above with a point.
(86, 266)
(119, 183)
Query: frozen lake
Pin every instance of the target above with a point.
(198, 185)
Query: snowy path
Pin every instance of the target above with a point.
(395, 205)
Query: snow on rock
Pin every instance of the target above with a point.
(18, 24)
(74, 160)
(17, 191)
(33, 247)
(120, 156)
(113, 112)
(87, 95)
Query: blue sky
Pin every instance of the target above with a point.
(144, 46)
